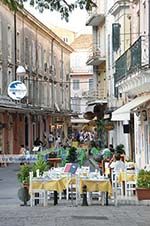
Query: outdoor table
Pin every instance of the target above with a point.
(55, 161)
(56, 185)
(97, 185)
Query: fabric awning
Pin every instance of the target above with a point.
(123, 113)
(79, 120)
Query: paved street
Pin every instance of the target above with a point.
(11, 213)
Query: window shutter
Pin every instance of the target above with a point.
(116, 36)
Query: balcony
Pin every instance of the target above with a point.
(131, 67)
(97, 15)
(96, 56)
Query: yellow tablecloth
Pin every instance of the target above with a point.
(96, 185)
(60, 184)
(126, 177)
(51, 185)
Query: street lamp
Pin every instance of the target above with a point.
(17, 89)
(20, 72)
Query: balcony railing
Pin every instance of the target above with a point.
(96, 16)
(133, 59)
(96, 56)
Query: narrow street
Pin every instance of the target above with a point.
(64, 213)
(9, 185)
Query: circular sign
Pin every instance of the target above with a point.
(17, 90)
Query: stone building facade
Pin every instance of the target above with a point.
(46, 58)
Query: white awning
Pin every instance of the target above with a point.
(79, 120)
(123, 113)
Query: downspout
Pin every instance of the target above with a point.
(149, 29)
(15, 46)
(52, 62)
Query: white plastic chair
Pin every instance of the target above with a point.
(117, 188)
(130, 185)
(37, 194)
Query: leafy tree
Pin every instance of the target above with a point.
(64, 7)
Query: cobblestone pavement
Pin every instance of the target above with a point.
(64, 214)
(74, 216)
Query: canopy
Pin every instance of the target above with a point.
(123, 113)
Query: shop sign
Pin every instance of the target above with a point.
(17, 158)
(17, 90)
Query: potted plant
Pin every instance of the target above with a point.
(143, 185)
(40, 165)
(23, 177)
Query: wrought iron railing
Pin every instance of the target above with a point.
(96, 51)
(133, 58)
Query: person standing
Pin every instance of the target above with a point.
(50, 139)
(22, 150)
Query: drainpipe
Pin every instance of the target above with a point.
(149, 28)
(15, 45)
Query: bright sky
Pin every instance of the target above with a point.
(76, 22)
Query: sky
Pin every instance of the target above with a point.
(77, 19)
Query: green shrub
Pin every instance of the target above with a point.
(143, 179)
(40, 164)
(23, 175)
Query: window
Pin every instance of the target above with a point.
(91, 84)
(45, 86)
(76, 84)
(1, 81)
(45, 60)
(9, 38)
(76, 104)
(33, 58)
(65, 39)
(40, 56)
(50, 58)
(0, 37)
(18, 46)
(26, 51)
(109, 52)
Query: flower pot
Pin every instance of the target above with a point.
(25, 185)
(143, 193)
(23, 195)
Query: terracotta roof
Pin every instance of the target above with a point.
(82, 42)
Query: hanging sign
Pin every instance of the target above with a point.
(17, 90)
